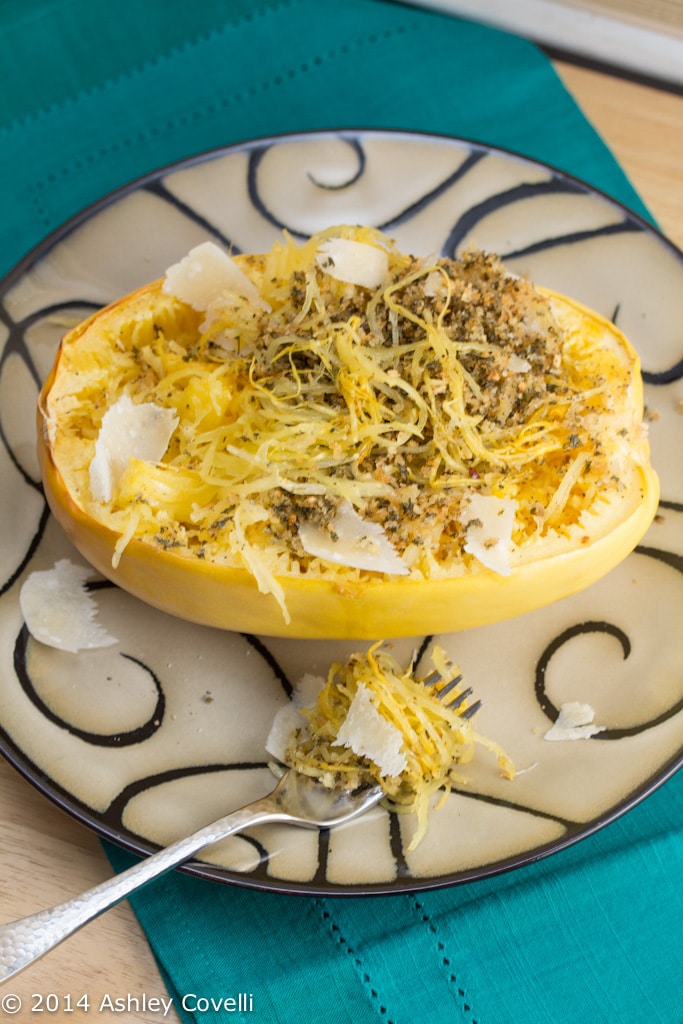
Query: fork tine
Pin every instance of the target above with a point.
(459, 697)
(471, 710)
(442, 692)
(432, 678)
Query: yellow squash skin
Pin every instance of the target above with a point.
(380, 606)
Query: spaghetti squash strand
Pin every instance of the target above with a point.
(435, 738)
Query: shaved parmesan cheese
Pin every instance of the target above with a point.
(205, 273)
(488, 525)
(59, 611)
(574, 722)
(369, 734)
(351, 540)
(517, 364)
(434, 284)
(128, 431)
(288, 719)
(353, 262)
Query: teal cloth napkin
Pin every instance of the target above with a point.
(95, 95)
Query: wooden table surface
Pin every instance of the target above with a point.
(45, 857)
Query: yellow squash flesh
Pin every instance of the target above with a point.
(366, 606)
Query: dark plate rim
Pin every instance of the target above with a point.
(58, 234)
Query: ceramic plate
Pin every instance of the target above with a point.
(146, 740)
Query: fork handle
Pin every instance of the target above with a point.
(26, 940)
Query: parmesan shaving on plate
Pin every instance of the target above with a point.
(574, 722)
(350, 540)
(374, 721)
(353, 262)
(128, 431)
(59, 611)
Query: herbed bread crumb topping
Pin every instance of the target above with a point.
(300, 396)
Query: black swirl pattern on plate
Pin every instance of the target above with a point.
(359, 151)
(609, 629)
(520, 193)
(114, 814)
(260, 203)
(669, 376)
(160, 189)
(130, 737)
(15, 346)
(26, 556)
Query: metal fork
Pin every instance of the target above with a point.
(297, 799)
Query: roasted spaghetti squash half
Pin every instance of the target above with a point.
(337, 439)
